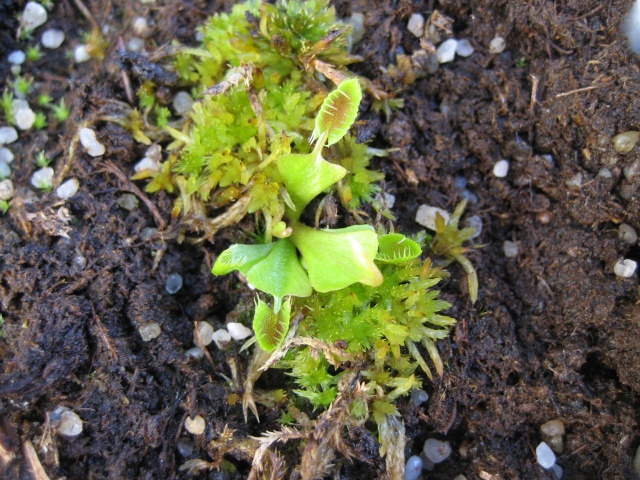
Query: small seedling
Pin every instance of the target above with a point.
(60, 112)
(44, 100)
(34, 53)
(22, 85)
(40, 121)
(447, 244)
(4, 208)
(6, 102)
(42, 160)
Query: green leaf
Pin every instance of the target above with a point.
(280, 273)
(396, 248)
(338, 111)
(305, 176)
(241, 258)
(273, 268)
(338, 258)
(270, 327)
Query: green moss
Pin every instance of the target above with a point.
(257, 97)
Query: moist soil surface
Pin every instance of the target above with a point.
(555, 334)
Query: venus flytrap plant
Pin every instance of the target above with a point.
(351, 313)
(332, 259)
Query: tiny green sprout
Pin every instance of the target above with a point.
(22, 85)
(521, 62)
(40, 121)
(6, 103)
(60, 112)
(4, 207)
(447, 243)
(44, 100)
(42, 160)
(1, 317)
(162, 116)
(34, 53)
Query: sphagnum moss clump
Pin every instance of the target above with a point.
(351, 314)
(255, 78)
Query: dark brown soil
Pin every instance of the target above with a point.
(554, 334)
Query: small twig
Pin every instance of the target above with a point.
(87, 14)
(534, 92)
(102, 334)
(110, 167)
(200, 343)
(134, 381)
(588, 14)
(34, 467)
(125, 75)
(578, 90)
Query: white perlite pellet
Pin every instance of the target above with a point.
(625, 268)
(632, 29)
(416, 25)
(43, 178)
(146, 164)
(90, 142)
(33, 16)
(6, 190)
(436, 450)
(67, 422)
(426, 216)
(221, 338)
(149, 331)
(627, 234)
(182, 103)
(385, 198)
(605, 173)
(497, 45)
(413, 468)
(501, 169)
(135, 44)
(174, 281)
(8, 135)
(575, 181)
(6, 155)
(557, 471)
(68, 189)
(195, 425)
(81, 54)
(636, 461)
(5, 170)
(238, 331)
(552, 427)
(464, 48)
(419, 396)
(25, 118)
(17, 57)
(195, 352)
(52, 38)
(545, 456)
(510, 249)
(446, 51)
(204, 334)
(141, 27)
